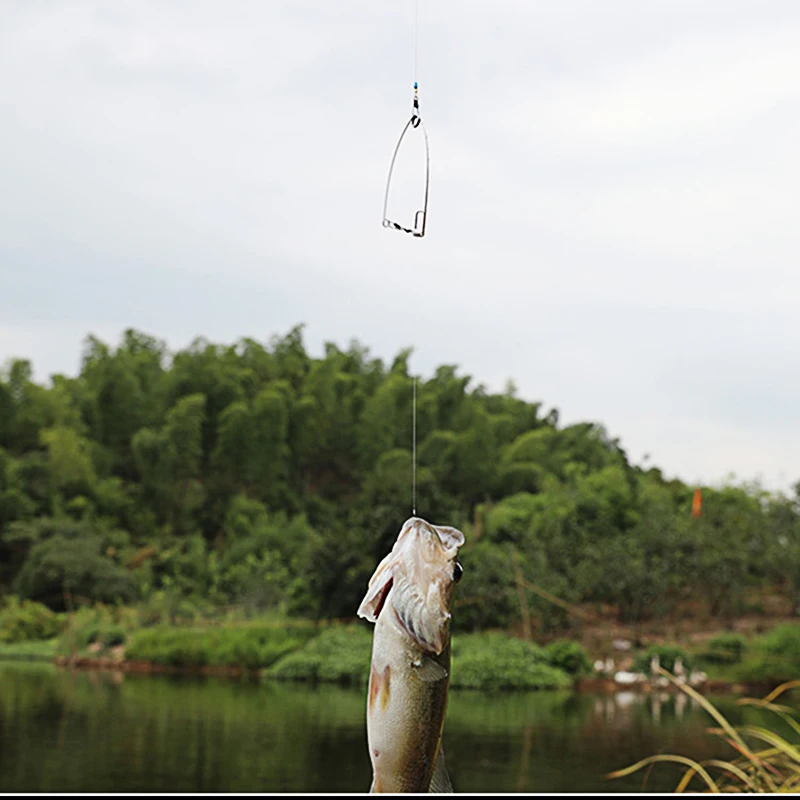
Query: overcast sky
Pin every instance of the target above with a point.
(613, 217)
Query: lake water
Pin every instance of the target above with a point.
(64, 731)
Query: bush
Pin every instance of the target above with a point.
(247, 646)
(68, 555)
(784, 642)
(28, 621)
(337, 655)
(727, 648)
(497, 661)
(767, 669)
(778, 659)
(88, 626)
(569, 656)
(667, 656)
(112, 636)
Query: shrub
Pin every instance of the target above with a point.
(84, 627)
(28, 621)
(784, 642)
(766, 669)
(497, 661)
(337, 655)
(247, 646)
(569, 656)
(778, 659)
(727, 648)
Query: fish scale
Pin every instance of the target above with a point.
(408, 599)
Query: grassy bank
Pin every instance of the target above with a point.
(250, 647)
(769, 658)
(283, 649)
(332, 654)
(29, 651)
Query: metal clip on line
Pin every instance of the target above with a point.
(420, 217)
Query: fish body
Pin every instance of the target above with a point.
(408, 599)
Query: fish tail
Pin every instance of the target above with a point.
(440, 782)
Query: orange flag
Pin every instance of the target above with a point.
(697, 503)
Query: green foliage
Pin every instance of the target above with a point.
(338, 655)
(27, 621)
(727, 648)
(667, 655)
(771, 658)
(784, 642)
(249, 646)
(775, 656)
(70, 559)
(255, 475)
(37, 650)
(485, 596)
(69, 458)
(495, 661)
(766, 669)
(100, 627)
(569, 656)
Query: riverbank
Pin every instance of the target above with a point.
(29, 651)
(282, 649)
(588, 685)
(342, 656)
(339, 654)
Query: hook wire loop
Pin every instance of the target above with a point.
(418, 230)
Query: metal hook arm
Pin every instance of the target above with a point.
(421, 216)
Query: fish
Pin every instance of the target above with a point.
(408, 598)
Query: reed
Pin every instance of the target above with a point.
(764, 761)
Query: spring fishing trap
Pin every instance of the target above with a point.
(415, 123)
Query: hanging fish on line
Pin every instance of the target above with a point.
(408, 599)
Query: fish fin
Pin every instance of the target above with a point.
(430, 670)
(379, 586)
(452, 538)
(440, 781)
(381, 581)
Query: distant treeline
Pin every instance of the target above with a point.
(260, 476)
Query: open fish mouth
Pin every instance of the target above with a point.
(420, 571)
(418, 574)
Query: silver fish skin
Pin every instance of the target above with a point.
(408, 599)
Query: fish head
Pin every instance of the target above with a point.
(416, 580)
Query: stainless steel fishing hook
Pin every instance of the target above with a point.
(421, 216)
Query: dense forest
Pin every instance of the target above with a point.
(259, 476)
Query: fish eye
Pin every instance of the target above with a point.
(458, 571)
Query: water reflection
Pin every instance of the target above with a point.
(109, 732)
(620, 708)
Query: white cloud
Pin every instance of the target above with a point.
(611, 214)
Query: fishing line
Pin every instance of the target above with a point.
(416, 39)
(414, 449)
(416, 227)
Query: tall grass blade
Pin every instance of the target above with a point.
(693, 765)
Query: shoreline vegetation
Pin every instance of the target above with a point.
(763, 760)
(220, 507)
(271, 648)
